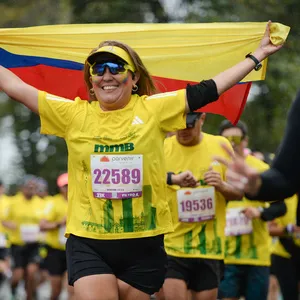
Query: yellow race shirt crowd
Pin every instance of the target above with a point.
(211, 228)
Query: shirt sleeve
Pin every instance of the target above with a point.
(6, 213)
(169, 109)
(55, 113)
(49, 211)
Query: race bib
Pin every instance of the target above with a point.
(30, 233)
(3, 240)
(237, 223)
(117, 176)
(61, 235)
(195, 205)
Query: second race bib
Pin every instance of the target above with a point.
(3, 240)
(195, 205)
(30, 233)
(117, 176)
(237, 223)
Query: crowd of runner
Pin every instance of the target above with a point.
(32, 236)
(261, 254)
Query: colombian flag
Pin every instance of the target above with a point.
(51, 58)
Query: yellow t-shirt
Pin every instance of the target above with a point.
(45, 202)
(253, 248)
(4, 204)
(25, 213)
(56, 211)
(94, 137)
(288, 218)
(203, 239)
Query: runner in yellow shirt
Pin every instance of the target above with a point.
(45, 198)
(247, 248)
(22, 220)
(117, 192)
(286, 251)
(5, 271)
(196, 247)
(54, 224)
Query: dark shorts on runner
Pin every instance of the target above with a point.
(199, 274)
(139, 262)
(4, 253)
(56, 261)
(287, 271)
(25, 255)
(252, 282)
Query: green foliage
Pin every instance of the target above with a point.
(266, 113)
(118, 11)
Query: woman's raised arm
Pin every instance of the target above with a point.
(18, 90)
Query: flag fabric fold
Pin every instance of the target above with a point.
(51, 57)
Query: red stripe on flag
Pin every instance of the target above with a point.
(69, 84)
(57, 81)
(230, 104)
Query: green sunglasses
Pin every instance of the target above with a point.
(234, 139)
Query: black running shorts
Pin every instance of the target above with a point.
(198, 273)
(56, 262)
(25, 255)
(139, 262)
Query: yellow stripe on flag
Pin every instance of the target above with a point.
(179, 51)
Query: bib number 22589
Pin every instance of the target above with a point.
(117, 176)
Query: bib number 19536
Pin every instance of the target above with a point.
(195, 205)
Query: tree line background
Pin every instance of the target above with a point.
(265, 112)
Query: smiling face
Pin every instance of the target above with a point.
(113, 91)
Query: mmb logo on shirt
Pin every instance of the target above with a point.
(114, 148)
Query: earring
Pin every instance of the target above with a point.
(135, 88)
(92, 92)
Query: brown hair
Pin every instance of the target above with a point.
(145, 83)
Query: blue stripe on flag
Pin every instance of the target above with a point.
(10, 60)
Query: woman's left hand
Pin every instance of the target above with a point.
(266, 48)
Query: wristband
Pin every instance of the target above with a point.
(260, 209)
(258, 65)
(169, 178)
(289, 229)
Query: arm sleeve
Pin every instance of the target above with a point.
(282, 180)
(275, 210)
(201, 94)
